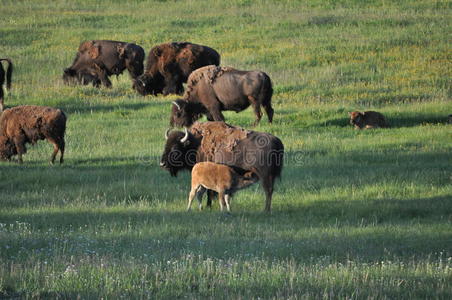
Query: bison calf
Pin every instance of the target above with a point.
(220, 178)
(28, 124)
(367, 119)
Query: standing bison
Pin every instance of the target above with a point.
(28, 124)
(257, 152)
(9, 73)
(170, 64)
(212, 89)
(97, 60)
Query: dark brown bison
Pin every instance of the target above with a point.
(219, 178)
(213, 89)
(260, 153)
(28, 124)
(367, 119)
(170, 64)
(9, 73)
(97, 60)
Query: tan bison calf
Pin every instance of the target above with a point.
(28, 124)
(367, 119)
(220, 178)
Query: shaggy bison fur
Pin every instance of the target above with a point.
(257, 152)
(169, 65)
(97, 60)
(28, 124)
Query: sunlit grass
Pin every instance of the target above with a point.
(357, 214)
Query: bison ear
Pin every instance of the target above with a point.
(121, 51)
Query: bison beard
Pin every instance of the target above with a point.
(260, 153)
(28, 124)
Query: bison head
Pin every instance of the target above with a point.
(7, 148)
(147, 84)
(184, 114)
(180, 152)
(69, 76)
(83, 76)
(357, 119)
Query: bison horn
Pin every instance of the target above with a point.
(166, 133)
(185, 138)
(175, 103)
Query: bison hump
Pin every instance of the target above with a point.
(218, 136)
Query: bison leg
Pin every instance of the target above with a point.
(215, 111)
(191, 196)
(210, 195)
(19, 142)
(221, 199)
(105, 80)
(267, 184)
(173, 85)
(228, 199)
(269, 110)
(257, 109)
(58, 145)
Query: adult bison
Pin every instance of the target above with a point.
(28, 124)
(260, 153)
(97, 60)
(213, 89)
(169, 65)
(9, 73)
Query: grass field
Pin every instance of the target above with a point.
(357, 214)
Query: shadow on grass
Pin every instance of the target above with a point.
(301, 233)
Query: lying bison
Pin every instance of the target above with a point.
(170, 64)
(28, 124)
(260, 153)
(367, 119)
(212, 89)
(9, 73)
(97, 60)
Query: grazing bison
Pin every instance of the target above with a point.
(219, 178)
(260, 153)
(9, 73)
(212, 89)
(367, 119)
(97, 60)
(170, 64)
(28, 124)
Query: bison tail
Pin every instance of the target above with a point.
(267, 90)
(9, 72)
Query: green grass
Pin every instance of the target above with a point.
(357, 214)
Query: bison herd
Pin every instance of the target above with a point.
(223, 158)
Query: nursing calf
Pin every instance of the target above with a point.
(220, 178)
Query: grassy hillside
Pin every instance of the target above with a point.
(357, 214)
